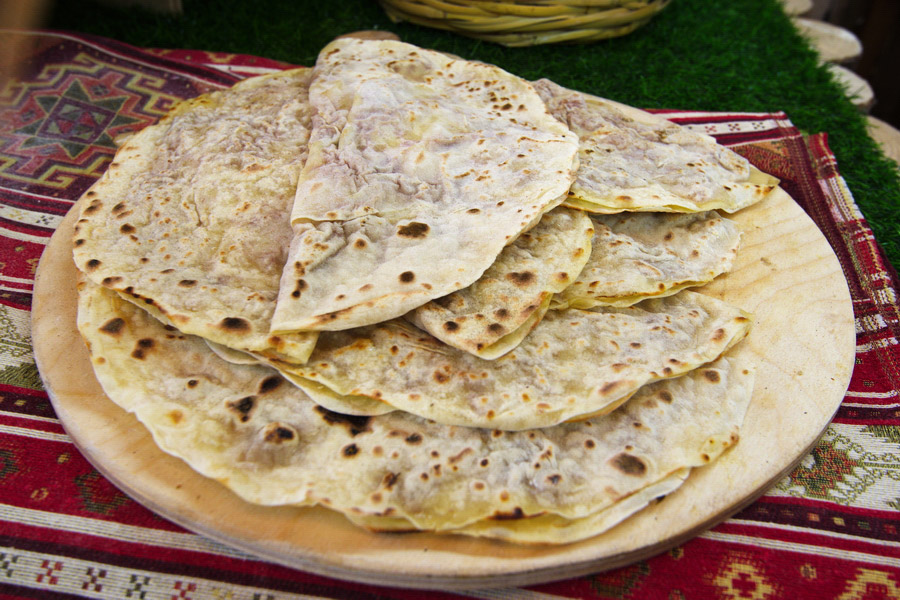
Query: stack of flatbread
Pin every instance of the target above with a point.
(423, 292)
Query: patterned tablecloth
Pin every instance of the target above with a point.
(829, 530)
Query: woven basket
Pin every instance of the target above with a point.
(528, 22)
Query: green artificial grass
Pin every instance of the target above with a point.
(739, 55)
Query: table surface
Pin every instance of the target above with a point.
(829, 529)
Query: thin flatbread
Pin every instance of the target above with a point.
(493, 315)
(573, 364)
(635, 256)
(631, 160)
(547, 528)
(248, 428)
(348, 405)
(421, 169)
(191, 218)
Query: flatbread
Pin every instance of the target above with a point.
(631, 160)
(191, 218)
(493, 315)
(573, 364)
(415, 159)
(263, 438)
(635, 256)
(546, 528)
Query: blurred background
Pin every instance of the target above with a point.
(876, 24)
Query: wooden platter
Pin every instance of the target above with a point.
(803, 345)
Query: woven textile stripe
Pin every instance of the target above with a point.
(49, 573)
(828, 530)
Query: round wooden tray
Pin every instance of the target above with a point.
(803, 345)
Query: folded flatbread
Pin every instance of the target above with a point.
(421, 169)
(191, 218)
(631, 160)
(635, 256)
(248, 428)
(493, 315)
(573, 364)
(547, 527)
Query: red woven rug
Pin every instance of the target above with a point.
(829, 530)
